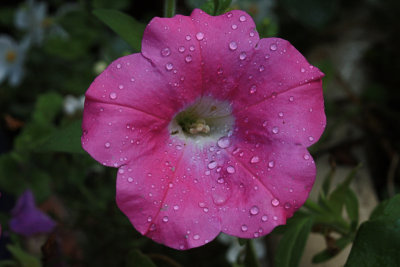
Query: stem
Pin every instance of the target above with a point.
(309, 204)
(251, 257)
(169, 8)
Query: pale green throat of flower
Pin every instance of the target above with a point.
(206, 120)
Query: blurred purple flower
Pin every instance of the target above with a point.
(27, 219)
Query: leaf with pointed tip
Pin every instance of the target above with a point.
(377, 242)
(291, 246)
(125, 26)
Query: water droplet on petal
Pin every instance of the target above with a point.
(169, 66)
(220, 180)
(275, 130)
(291, 99)
(229, 14)
(233, 46)
(244, 228)
(165, 52)
(165, 219)
(254, 159)
(223, 142)
(188, 38)
(242, 56)
(253, 89)
(275, 202)
(287, 205)
(130, 179)
(119, 66)
(230, 169)
(196, 237)
(254, 210)
(271, 164)
(212, 165)
(176, 207)
(310, 138)
(273, 47)
(107, 145)
(306, 156)
(264, 218)
(188, 59)
(181, 49)
(242, 18)
(199, 36)
(302, 70)
(261, 68)
(113, 95)
(234, 26)
(280, 114)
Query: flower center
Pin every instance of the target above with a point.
(47, 22)
(205, 120)
(11, 56)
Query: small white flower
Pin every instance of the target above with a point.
(34, 19)
(73, 104)
(12, 56)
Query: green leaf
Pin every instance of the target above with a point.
(327, 254)
(47, 107)
(216, 7)
(327, 181)
(377, 242)
(291, 246)
(338, 197)
(208, 7)
(351, 205)
(220, 6)
(24, 259)
(137, 258)
(66, 139)
(125, 26)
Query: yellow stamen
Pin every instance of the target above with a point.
(47, 22)
(11, 56)
(199, 126)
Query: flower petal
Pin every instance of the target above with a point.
(114, 134)
(295, 116)
(269, 182)
(162, 194)
(27, 219)
(275, 67)
(172, 48)
(226, 41)
(133, 81)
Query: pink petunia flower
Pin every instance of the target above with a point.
(209, 127)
